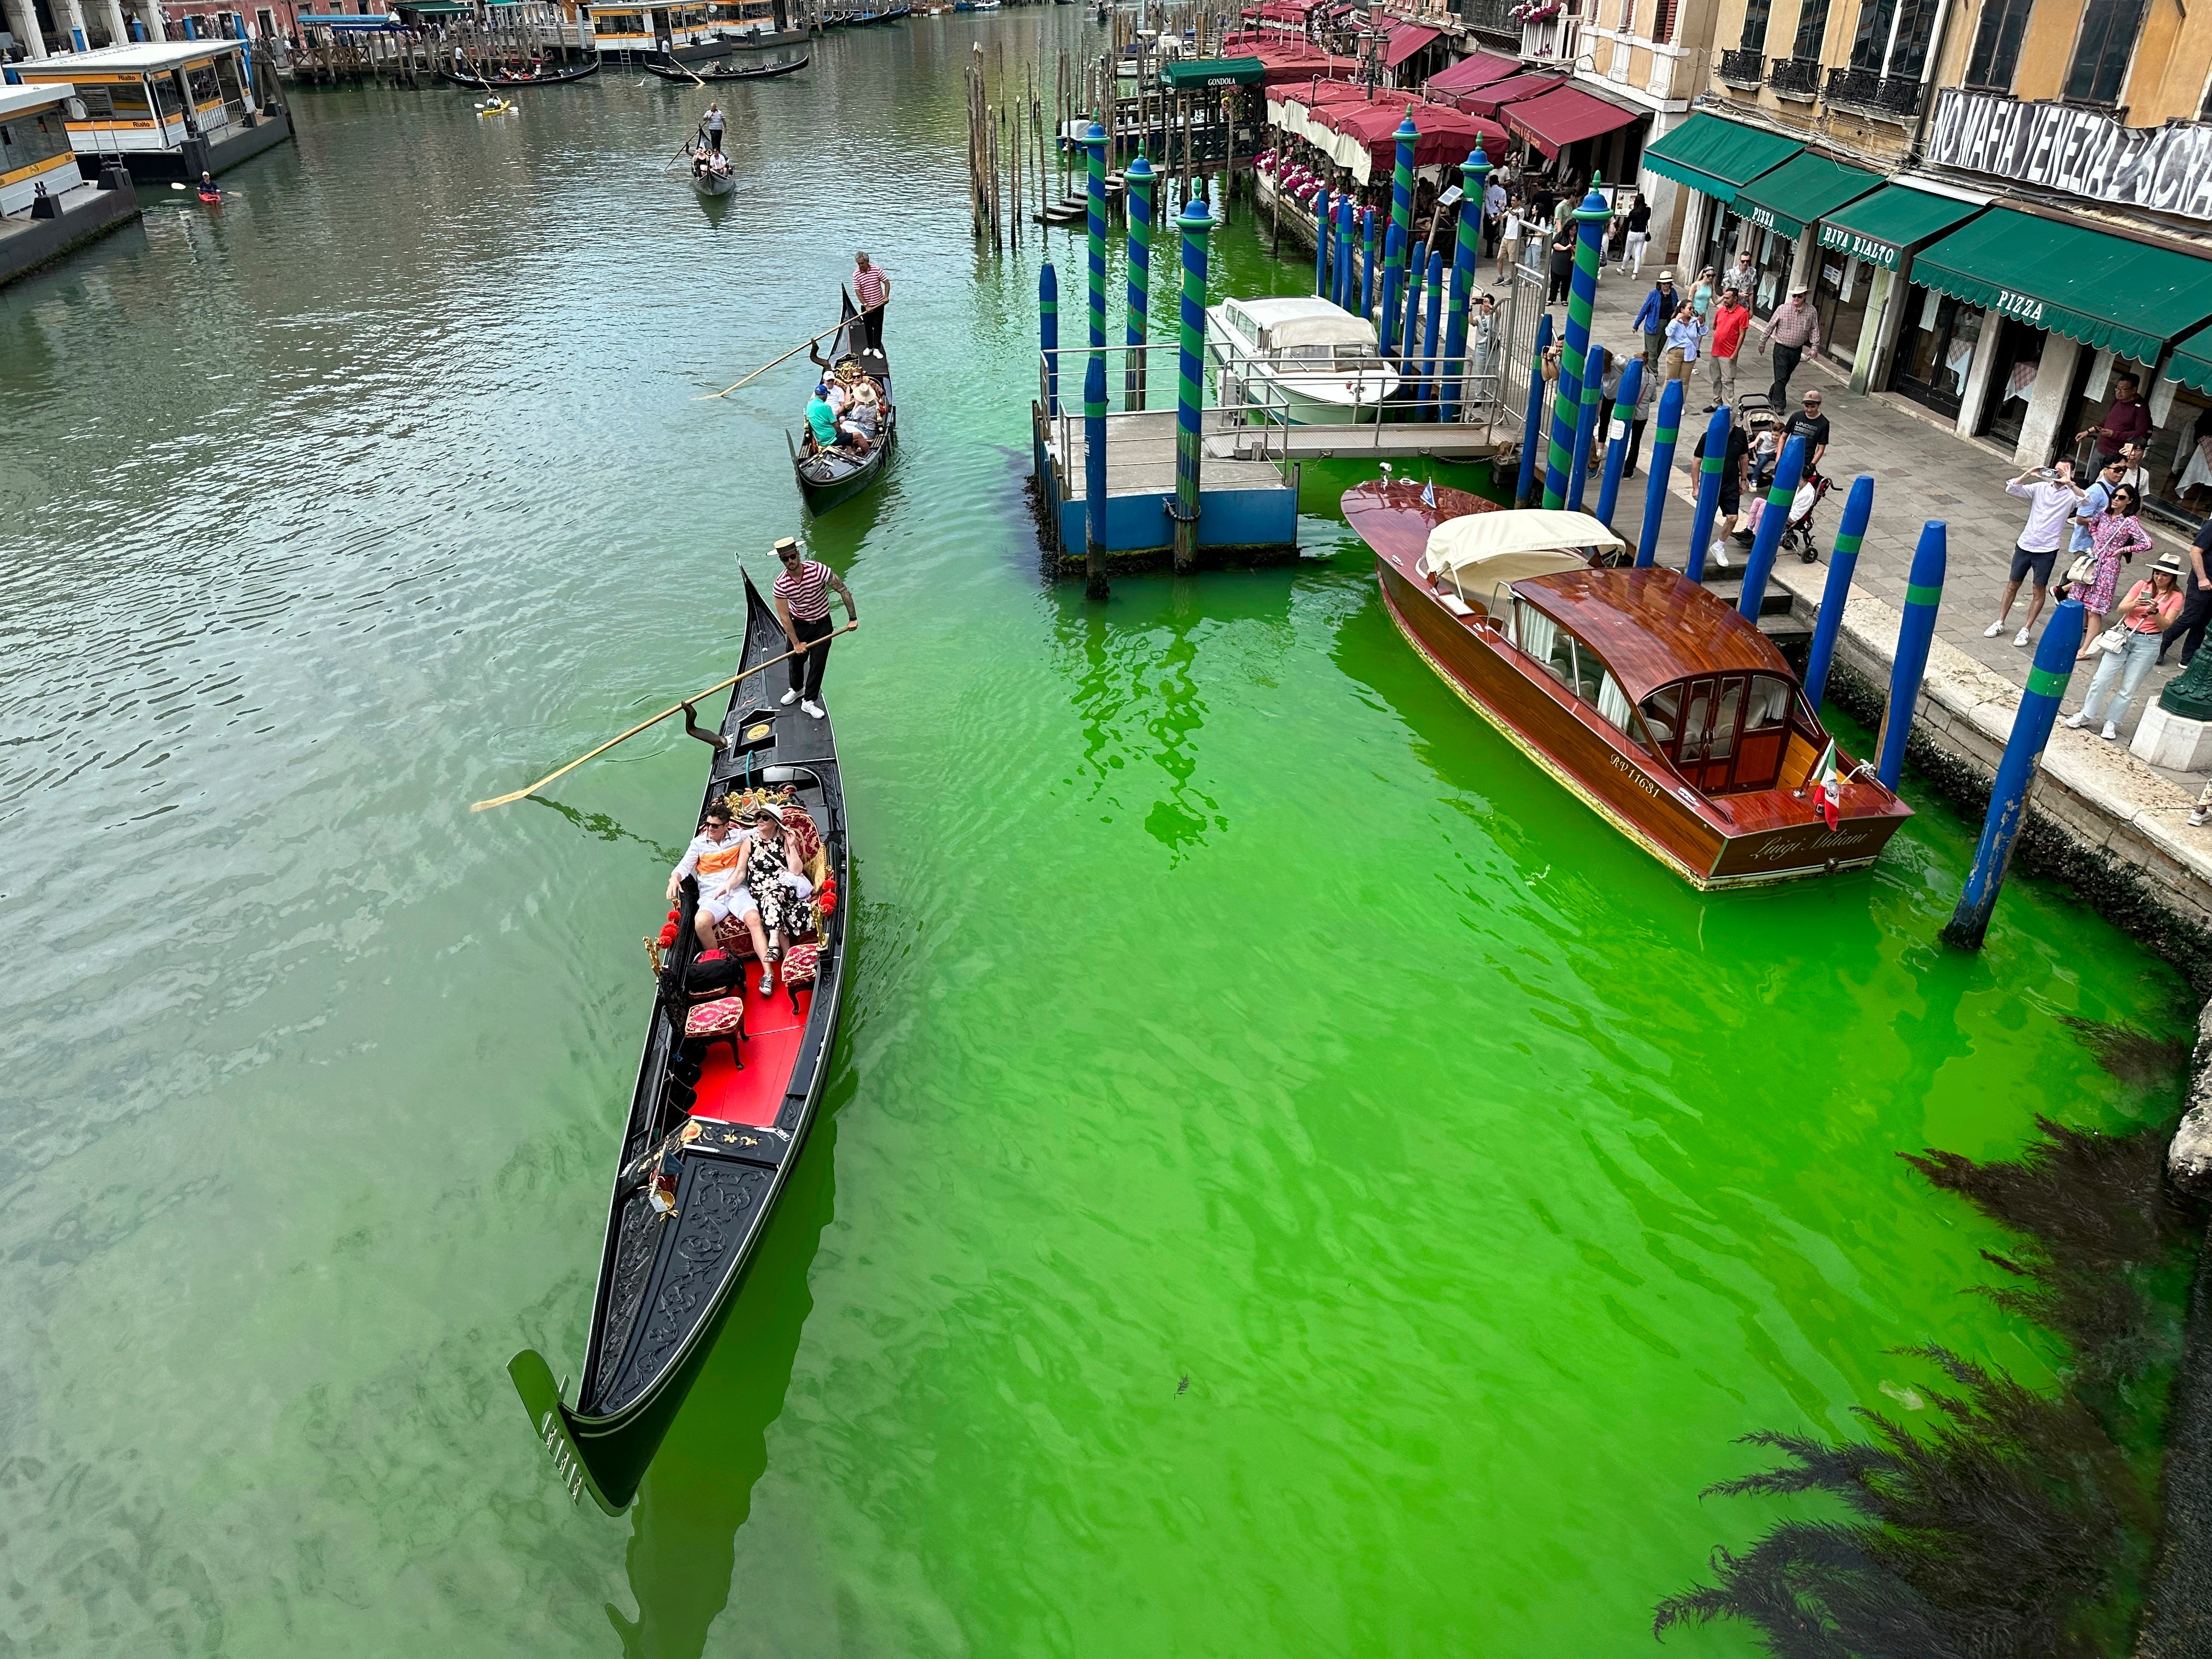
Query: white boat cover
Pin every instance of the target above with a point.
(1489, 548)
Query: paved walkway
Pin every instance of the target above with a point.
(1923, 470)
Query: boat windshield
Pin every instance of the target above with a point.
(1725, 734)
(1344, 355)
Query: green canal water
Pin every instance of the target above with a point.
(1292, 1181)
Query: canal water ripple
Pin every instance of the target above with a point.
(1293, 1180)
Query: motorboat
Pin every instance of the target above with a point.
(1297, 361)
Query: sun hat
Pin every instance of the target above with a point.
(2170, 562)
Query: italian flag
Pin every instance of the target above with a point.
(1828, 786)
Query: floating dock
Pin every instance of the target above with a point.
(1248, 502)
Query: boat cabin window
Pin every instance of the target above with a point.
(1724, 732)
(1237, 319)
(1347, 355)
(1577, 667)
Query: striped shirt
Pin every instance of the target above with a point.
(872, 288)
(805, 589)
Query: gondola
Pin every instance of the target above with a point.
(828, 480)
(708, 1145)
(765, 72)
(499, 83)
(714, 184)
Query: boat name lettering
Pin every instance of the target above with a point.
(1783, 847)
(1642, 782)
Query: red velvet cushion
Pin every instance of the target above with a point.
(805, 837)
(716, 1018)
(799, 962)
(734, 937)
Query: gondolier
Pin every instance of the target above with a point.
(873, 290)
(714, 124)
(802, 601)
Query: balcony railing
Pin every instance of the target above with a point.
(1490, 17)
(1891, 95)
(1743, 68)
(1794, 77)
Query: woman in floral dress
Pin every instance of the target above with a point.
(2115, 538)
(779, 884)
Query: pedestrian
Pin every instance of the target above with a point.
(2197, 601)
(2053, 496)
(1493, 212)
(1652, 318)
(802, 601)
(1563, 263)
(1735, 469)
(871, 290)
(1730, 318)
(2149, 608)
(2096, 496)
(1811, 425)
(1682, 336)
(1702, 296)
(1482, 340)
(717, 123)
(2115, 538)
(1793, 329)
(1639, 235)
(1509, 241)
(1743, 278)
(1647, 396)
(2127, 421)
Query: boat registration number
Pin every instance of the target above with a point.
(1642, 782)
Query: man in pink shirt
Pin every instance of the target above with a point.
(1730, 318)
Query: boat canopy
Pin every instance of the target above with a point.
(1509, 546)
(1322, 329)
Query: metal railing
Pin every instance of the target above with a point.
(1743, 67)
(1878, 95)
(1490, 17)
(1797, 76)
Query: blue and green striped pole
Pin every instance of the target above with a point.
(1409, 345)
(1048, 336)
(1857, 510)
(1532, 427)
(1320, 244)
(1789, 471)
(1401, 222)
(1473, 179)
(1586, 426)
(1196, 224)
(1709, 490)
(1139, 179)
(1367, 262)
(1659, 469)
(1616, 444)
(1347, 249)
(2023, 754)
(1094, 476)
(1582, 296)
(1432, 327)
(1924, 593)
(1094, 143)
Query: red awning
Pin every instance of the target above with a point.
(1480, 70)
(1488, 101)
(1288, 63)
(1446, 134)
(1556, 119)
(1406, 39)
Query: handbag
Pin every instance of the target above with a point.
(2083, 569)
(2112, 642)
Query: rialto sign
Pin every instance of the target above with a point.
(2167, 169)
(1879, 255)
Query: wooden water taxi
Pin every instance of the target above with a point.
(1667, 712)
(729, 1085)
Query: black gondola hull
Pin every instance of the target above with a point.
(502, 82)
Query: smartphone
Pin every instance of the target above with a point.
(2046, 472)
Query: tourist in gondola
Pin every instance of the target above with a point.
(802, 601)
(863, 417)
(778, 888)
(716, 860)
(872, 291)
(821, 418)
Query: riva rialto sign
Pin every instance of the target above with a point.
(2168, 169)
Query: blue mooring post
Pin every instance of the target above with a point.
(1393, 279)
(1586, 426)
(1616, 441)
(1048, 336)
(1367, 262)
(1524, 492)
(1432, 327)
(1410, 323)
(1474, 177)
(1401, 222)
(1139, 179)
(1924, 593)
(1582, 296)
(2023, 754)
(1759, 566)
(1196, 224)
(1094, 145)
(1094, 476)
(1659, 469)
(1320, 244)
(1709, 491)
(1344, 250)
(1841, 564)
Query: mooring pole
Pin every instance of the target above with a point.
(1841, 564)
(1367, 262)
(1196, 224)
(1616, 439)
(1094, 146)
(1532, 428)
(1658, 468)
(1709, 490)
(1409, 343)
(1094, 476)
(1759, 566)
(1402, 224)
(2023, 757)
(1345, 250)
(1473, 179)
(1582, 295)
(1139, 181)
(1321, 243)
(1432, 329)
(1924, 593)
(1048, 336)
(1586, 426)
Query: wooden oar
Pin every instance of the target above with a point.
(677, 708)
(709, 397)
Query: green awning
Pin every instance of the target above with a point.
(1802, 190)
(2192, 363)
(1187, 72)
(2105, 291)
(1717, 156)
(1883, 227)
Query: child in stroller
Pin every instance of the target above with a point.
(1811, 490)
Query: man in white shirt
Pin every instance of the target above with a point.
(2053, 497)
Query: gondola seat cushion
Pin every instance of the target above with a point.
(799, 965)
(732, 933)
(713, 1019)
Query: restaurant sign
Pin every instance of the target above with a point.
(1760, 217)
(2166, 169)
(1879, 255)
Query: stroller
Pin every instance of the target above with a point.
(1798, 531)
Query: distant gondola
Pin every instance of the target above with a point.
(496, 82)
(765, 72)
(708, 1143)
(832, 479)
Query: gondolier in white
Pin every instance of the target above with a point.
(714, 126)
(802, 601)
(871, 290)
